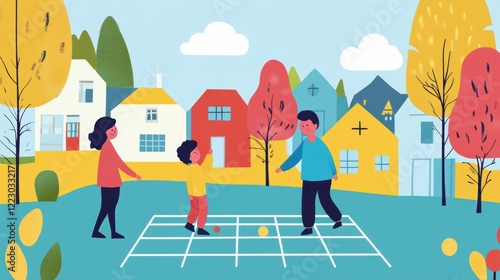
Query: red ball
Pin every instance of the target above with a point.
(216, 229)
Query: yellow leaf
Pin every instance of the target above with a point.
(429, 43)
(478, 265)
(31, 227)
(16, 262)
(44, 46)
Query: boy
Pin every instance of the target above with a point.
(318, 169)
(189, 154)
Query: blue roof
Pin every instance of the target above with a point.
(115, 96)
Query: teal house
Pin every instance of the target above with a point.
(315, 93)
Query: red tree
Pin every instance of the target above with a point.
(272, 111)
(493, 262)
(474, 131)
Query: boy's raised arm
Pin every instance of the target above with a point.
(208, 162)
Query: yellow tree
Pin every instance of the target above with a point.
(35, 56)
(444, 32)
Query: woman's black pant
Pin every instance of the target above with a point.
(109, 199)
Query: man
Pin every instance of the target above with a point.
(318, 169)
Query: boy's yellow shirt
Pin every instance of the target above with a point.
(197, 177)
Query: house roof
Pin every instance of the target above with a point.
(115, 96)
(222, 96)
(149, 96)
(376, 94)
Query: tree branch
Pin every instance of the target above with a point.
(10, 150)
(448, 154)
(25, 125)
(472, 167)
(7, 70)
(258, 142)
(11, 123)
(22, 90)
(487, 180)
(10, 142)
(263, 160)
(473, 180)
(271, 138)
(257, 148)
(24, 111)
(492, 163)
(435, 128)
(6, 159)
(434, 111)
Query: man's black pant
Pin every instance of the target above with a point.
(309, 190)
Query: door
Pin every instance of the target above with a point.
(51, 135)
(218, 146)
(421, 177)
(72, 133)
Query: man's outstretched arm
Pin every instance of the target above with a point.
(292, 160)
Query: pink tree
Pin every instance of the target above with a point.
(473, 131)
(272, 111)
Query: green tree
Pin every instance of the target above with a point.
(83, 48)
(113, 59)
(294, 78)
(340, 88)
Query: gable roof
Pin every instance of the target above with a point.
(115, 96)
(149, 96)
(359, 112)
(377, 94)
(223, 96)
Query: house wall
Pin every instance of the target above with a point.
(131, 123)
(325, 101)
(67, 103)
(237, 151)
(408, 130)
(376, 141)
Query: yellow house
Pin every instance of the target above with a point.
(365, 153)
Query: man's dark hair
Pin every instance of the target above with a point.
(184, 151)
(308, 115)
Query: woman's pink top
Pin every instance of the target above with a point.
(108, 174)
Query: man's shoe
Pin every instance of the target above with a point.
(337, 224)
(307, 231)
(97, 234)
(203, 232)
(189, 227)
(116, 235)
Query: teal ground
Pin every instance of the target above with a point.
(407, 230)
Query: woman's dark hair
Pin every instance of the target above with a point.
(184, 151)
(308, 115)
(98, 136)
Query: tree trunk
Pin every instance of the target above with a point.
(267, 162)
(443, 160)
(18, 111)
(494, 275)
(479, 194)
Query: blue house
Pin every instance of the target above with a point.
(381, 100)
(317, 94)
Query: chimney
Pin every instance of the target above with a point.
(364, 102)
(159, 81)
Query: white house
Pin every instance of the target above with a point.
(64, 123)
(420, 154)
(151, 126)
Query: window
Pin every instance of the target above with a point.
(382, 163)
(349, 162)
(313, 90)
(86, 94)
(48, 124)
(150, 143)
(217, 113)
(152, 115)
(72, 130)
(427, 132)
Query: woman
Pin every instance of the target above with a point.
(108, 175)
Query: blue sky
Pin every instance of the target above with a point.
(305, 34)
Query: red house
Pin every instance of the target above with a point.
(219, 121)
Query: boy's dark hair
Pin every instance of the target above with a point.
(308, 115)
(98, 136)
(184, 151)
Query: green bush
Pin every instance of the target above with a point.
(47, 186)
(51, 263)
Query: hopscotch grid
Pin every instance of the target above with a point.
(238, 224)
(279, 240)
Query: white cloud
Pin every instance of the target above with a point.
(373, 54)
(219, 38)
